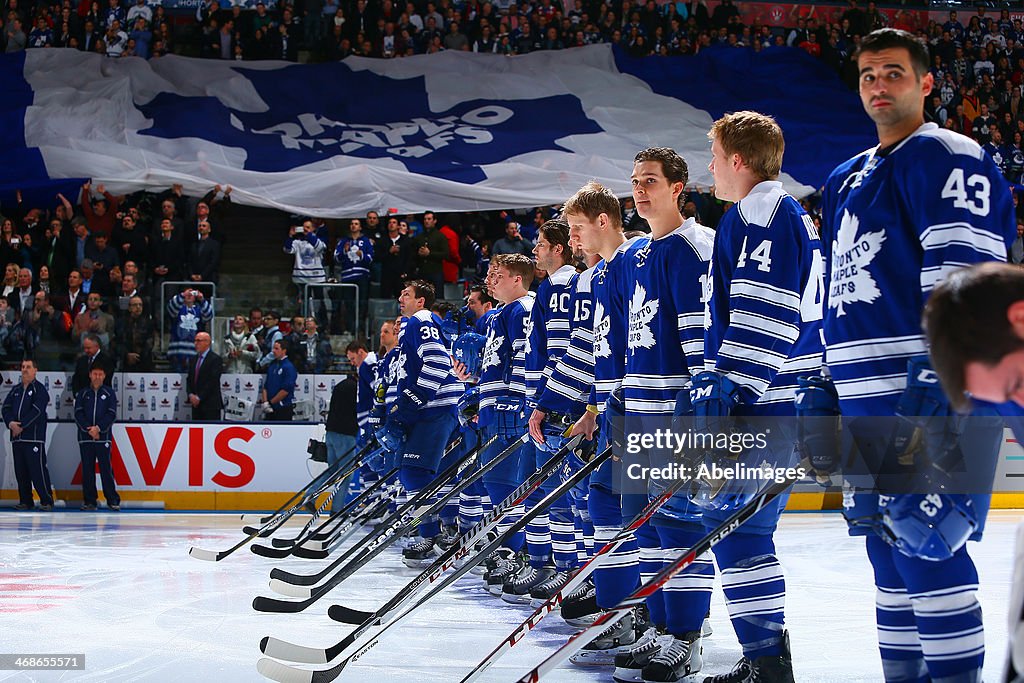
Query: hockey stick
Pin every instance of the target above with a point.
(379, 533)
(250, 518)
(285, 547)
(574, 582)
(733, 522)
(340, 526)
(411, 520)
(367, 635)
(435, 485)
(311, 493)
(321, 549)
(271, 526)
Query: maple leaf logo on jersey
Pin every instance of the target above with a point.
(601, 327)
(851, 256)
(491, 359)
(641, 313)
(528, 331)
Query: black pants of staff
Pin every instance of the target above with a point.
(97, 452)
(281, 414)
(30, 470)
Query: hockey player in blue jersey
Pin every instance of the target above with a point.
(425, 399)
(594, 215)
(551, 536)
(482, 306)
(762, 331)
(503, 399)
(665, 342)
(896, 220)
(564, 395)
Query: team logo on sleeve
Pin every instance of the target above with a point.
(491, 359)
(851, 256)
(641, 313)
(528, 331)
(602, 325)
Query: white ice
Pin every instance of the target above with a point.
(122, 589)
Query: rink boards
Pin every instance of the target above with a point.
(246, 466)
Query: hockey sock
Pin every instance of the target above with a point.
(687, 595)
(618, 575)
(898, 640)
(563, 538)
(755, 592)
(499, 492)
(538, 540)
(450, 511)
(650, 555)
(471, 509)
(413, 479)
(949, 620)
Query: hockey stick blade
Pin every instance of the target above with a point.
(280, 672)
(207, 555)
(347, 615)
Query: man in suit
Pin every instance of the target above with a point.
(93, 356)
(74, 302)
(204, 256)
(22, 298)
(203, 381)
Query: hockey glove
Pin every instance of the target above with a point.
(509, 421)
(555, 428)
(469, 407)
(408, 404)
(573, 463)
(468, 349)
(392, 435)
(817, 407)
(376, 460)
(924, 406)
(713, 397)
(615, 421)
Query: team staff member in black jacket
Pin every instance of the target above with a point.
(342, 428)
(24, 413)
(95, 412)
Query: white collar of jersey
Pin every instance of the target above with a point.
(529, 296)
(688, 224)
(562, 275)
(424, 315)
(371, 358)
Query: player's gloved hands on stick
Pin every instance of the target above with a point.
(615, 420)
(392, 435)
(713, 397)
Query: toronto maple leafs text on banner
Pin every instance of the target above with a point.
(449, 132)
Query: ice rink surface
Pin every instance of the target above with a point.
(122, 589)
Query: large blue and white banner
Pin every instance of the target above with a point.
(449, 132)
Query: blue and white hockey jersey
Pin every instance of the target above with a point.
(506, 342)
(354, 257)
(893, 226)
(423, 364)
(611, 306)
(367, 375)
(763, 322)
(665, 286)
(567, 389)
(547, 335)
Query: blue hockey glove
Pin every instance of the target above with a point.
(573, 463)
(468, 407)
(408, 404)
(468, 349)
(817, 407)
(509, 421)
(713, 397)
(924, 405)
(392, 435)
(364, 437)
(929, 526)
(615, 420)
(555, 428)
(376, 460)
